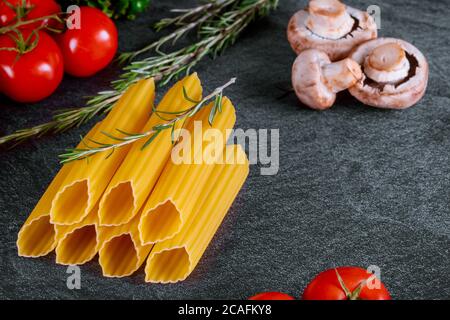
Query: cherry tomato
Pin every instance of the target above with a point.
(34, 74)
(326, 286)
(33, 9)
(92, 47)
(272, 296)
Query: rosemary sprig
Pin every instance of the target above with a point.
(218, 24)
(188, 20)
(65, 119)
(168, 124)
(223, 22)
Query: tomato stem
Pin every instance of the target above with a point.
(23, 46)
(20, 10)
(21, 23)
(351, 295)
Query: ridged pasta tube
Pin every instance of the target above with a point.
(87, 180)
(174, 259)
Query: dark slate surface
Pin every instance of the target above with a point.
(356, 186)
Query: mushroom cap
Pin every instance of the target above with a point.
(301, 37)
(400, 95)
(307, 80)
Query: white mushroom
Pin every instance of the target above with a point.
(316, 80)
(330, 26)
(395, 73)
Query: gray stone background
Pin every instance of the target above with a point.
(356, 186)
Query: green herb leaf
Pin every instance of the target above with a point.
(150, 140)
(186, 96)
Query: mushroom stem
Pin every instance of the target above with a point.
(387, 63)
(329, 19)
(341, 75)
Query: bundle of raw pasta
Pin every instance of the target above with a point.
(139, 203)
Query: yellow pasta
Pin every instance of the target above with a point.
(77, 243)
(37, 236)
(87, 180)
(172, 201)
(121, 252)
(141, 168)
(136, 205)
(174, 259)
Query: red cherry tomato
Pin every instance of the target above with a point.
(92, 47)
(34, 74)
(326, 286)
(272, 296)
(33, 9)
